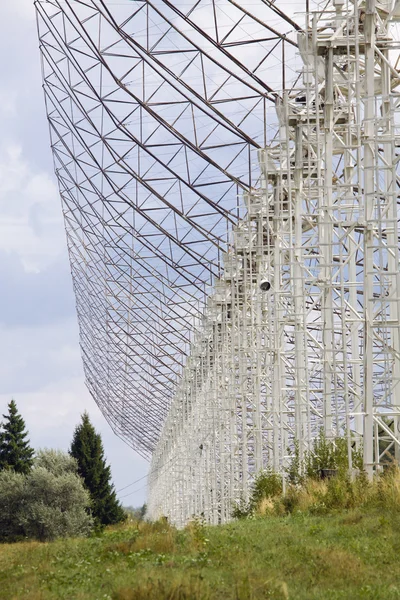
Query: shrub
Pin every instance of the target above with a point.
(56, 461)
(309, 497)
(306, 492)
(318, 497)
(271, 506)
(56, 506)
(267, 484)
(43, 505)
(326, 454)
(241, 509)
(294, 471)
(331, 454)
(12, 498)
(137, 514)
(386, 493)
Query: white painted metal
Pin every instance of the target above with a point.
(302, 330)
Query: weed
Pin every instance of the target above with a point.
(241, 509)
(151, 589)
(306, 492)
(197, 533)
(298, 556)
(266, 485)
(326, 455)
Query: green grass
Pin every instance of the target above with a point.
(345, 555)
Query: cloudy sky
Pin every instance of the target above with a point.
(40, 364)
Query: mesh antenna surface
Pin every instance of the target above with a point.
(229, 178)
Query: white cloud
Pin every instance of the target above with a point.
(30, 211)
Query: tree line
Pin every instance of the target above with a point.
(50, 493)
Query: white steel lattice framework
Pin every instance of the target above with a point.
(243, 148)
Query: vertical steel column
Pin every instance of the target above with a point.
(369, 214)
(301, 389)
(326, 240)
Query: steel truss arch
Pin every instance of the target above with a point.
(170, 246)
(229, 174)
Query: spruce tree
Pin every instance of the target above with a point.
(15, 451)
(87, 448)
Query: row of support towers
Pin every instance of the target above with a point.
(302, 330)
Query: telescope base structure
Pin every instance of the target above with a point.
(301, 333)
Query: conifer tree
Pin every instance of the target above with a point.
(87, 449)
(15, 451)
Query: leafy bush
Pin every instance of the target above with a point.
(330, 454)
(241, 509)
(308, 497)
(295, 468)
(319, 497)
(306, 492)
(56, 461)
(43, 505)
(12, 499)
(136, 513)
(56, 506)
(266, 485)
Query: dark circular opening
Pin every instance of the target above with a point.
(265, 286)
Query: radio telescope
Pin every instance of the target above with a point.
(230, 183)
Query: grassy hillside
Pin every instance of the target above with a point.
(346, 555)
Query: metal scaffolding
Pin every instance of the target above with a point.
(229, 176)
